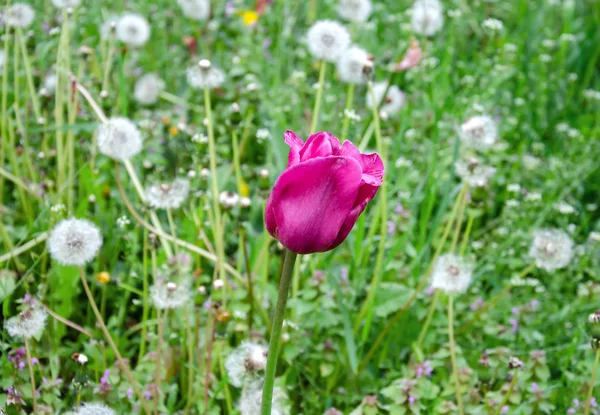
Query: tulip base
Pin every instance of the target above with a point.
(282, 296)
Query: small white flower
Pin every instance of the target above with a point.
(514, 187)
(59, 207)
(427, 18)
(133, 30)
(592, 94)
(169, 295)
(119, 139)
(451, 274)
(394, 100)
(355, 10)
(148, 88)
(564, 208)
(27, 324)
(473, 172)
(200, 138)
(479, 132)
(512, 203)
(351, 114)
(218, 284)
(50, 82)
(533, 197)
(351, 65)
(64, 4)
(94, 409)
(245, 362)
(493, 25)
(403, 162)
(168, 195)
(263, 134)
(81, 358)
(327, 40)
(19, 15)
(205, 75)
(568, 37)
(552, 249)
(74, 242)
(123, 221)
(229, 200)
(195, 9)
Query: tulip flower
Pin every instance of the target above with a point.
(318, 198)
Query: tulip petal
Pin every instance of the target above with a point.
(311, 201)
(295, 144)
(321, 144)
(371, 164)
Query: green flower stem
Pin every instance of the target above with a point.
(235, 147)
(461, 212)
(112, 344)
(31, 376)
(459, 401)
(508, 392)
(434, 301)
(218, 228)
(349, 101)
(145, 302)
(28, 73)
(284, 287)
(162, 322)
(4, 118)
(316, 109)
(588, 401)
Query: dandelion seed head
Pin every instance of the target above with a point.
(351, 65)
(205, 75)
(119, 139)
(168, 195)
(393, 101)
(133, 30)
(451, 274)
(148, 88)
(19, 15)
(252, 397)
(74, 242)
(195, 9)
(169, 295)
(64, 4)
(427, 18)
(552, 249)
(355, 10)
(479, 132)
(94, 409)
(27, 324)
(245, 362)
(473, 172)
(327, 40)
(229, 200)
(109, 27)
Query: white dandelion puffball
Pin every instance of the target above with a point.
(168, 195)
(244, 362)
(133, 30)
(168, 295)
(27, 324)
(473, 172)
(479, 132)
(251, 399)
(19, 15)
(451, 274)
(109, 27)
(552, 249)
(351, 65)
(205, 77)
(94, 409)
(427, 18)
(355, 10)
(327, 40)
(147, 89)
(74, 242)
(195, 9)
(119, 139)
(63, 4)
(394, 100)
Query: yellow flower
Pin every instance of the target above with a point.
(103, 277)
(173, 130)
(244, 190)
(250, 17)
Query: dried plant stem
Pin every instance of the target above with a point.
(588, 402)
(315, 114)
(31, 376)
(282, 295)
(25, 247)
(459, 401)
(112, 344)
(65, 321)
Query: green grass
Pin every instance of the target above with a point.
(542, 111)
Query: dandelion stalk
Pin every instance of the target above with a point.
(161, 331)
(588, 401)
(25, 247)
(349, 101)
(28, 74)
(453, 354)
(315, 113)
(434, 301)
(111, 342)
(282, 295)
(215, 191)
(508, 392)
(31, 376)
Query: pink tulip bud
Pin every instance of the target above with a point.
(318, 198)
